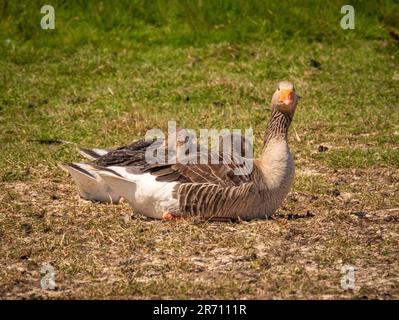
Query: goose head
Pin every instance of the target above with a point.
(284, 98)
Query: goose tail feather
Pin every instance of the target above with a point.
(92, 154)
(89, 183)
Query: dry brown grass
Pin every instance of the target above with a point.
(102, 251)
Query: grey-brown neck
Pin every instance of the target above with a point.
(276, 163)
(277, 127)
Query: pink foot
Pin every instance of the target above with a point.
(167, 215)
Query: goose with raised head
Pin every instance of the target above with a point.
(205, 190)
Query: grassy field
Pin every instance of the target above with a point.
(110, 72)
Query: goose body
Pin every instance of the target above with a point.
(204, 190)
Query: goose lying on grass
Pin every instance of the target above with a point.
(168, 191)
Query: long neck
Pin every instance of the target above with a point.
(276, 162)
(277, 127)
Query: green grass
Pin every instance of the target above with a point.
(94, 75)
(111, 71)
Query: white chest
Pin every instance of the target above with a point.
(277, 165)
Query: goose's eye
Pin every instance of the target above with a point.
(278, 89)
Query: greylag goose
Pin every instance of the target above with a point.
(172, 191)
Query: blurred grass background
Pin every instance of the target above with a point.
(112, 70)
(185, 22)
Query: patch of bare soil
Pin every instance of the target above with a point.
(105, 251)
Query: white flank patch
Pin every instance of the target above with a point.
(91, 188)
(146, 195)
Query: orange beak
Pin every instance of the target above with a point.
(286, 96)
